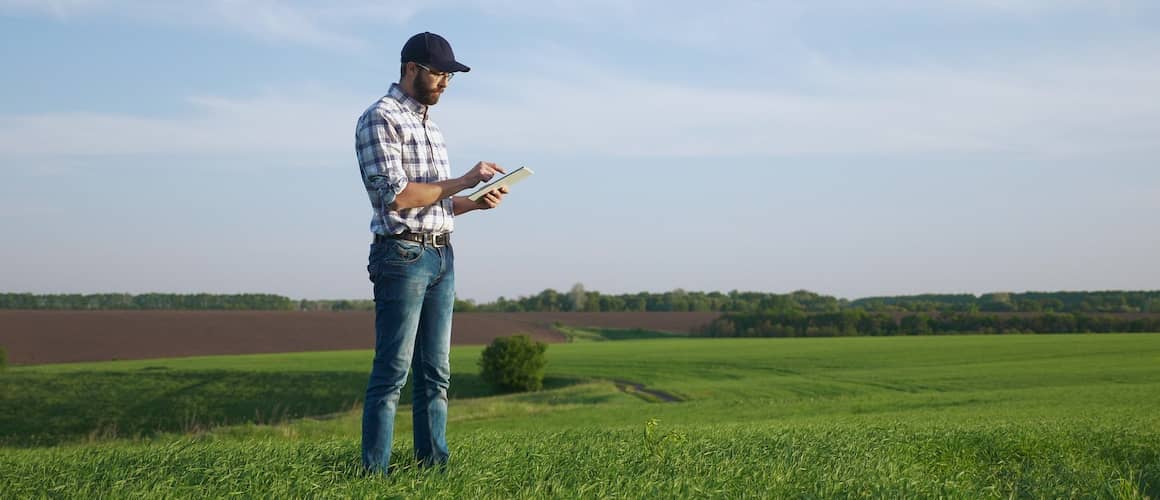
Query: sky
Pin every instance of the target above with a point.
(848, 147)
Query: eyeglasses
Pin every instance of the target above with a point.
(437, 74)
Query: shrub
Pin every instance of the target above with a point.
(3, 358)
(514, 363)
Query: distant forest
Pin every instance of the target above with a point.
(149, 301)
(579, 299)
(858, 322)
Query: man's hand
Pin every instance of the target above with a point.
(492, 199)
(482, 172)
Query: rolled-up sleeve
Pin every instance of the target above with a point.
(379, 149)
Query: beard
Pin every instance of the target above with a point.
(423, 93)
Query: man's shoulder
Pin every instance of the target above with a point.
(386, 108)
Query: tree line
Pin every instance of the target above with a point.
(858, 322)
(148, 301)
(579, 299)
(1059, 302)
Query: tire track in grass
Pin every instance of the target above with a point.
(640, 391)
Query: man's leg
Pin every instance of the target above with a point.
(432, 368)
(396, 268)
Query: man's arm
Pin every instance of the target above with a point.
(417, 194)
(380, 156)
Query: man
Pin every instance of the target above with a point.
(406, 174)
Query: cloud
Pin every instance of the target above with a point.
(1103, 103)
(322, 24)
(1098, 103)
(328, 24)
(1047, 102)
(732, 23)
(287, 121)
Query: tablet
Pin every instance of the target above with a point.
(515, 176)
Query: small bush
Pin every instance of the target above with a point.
(514, 363)
(3, 358)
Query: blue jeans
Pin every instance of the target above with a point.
(414, 298)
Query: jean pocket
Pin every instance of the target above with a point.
(392, 253)
(401, 252)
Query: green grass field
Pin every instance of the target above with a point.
(963, 416)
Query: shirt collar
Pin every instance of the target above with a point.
(407, 101)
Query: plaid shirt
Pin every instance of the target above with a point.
(396, 144)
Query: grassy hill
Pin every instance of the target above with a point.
(965, 416)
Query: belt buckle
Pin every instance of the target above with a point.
(434, 241)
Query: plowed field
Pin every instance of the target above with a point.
(36, 337)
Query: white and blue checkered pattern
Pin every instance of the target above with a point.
(396, 144)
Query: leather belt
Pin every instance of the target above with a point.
(430, 239)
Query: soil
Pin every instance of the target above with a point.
(38, 337)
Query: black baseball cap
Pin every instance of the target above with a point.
(432, 50)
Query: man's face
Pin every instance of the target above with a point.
(428, 87)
